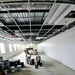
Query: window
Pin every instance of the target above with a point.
(17, 47)
(2, 48)
(14, 48)
(10, 47)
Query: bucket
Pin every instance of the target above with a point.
(13, 69)
(18, 67)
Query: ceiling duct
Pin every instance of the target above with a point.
(66, 21)
(64, 13)
(57, 13)
(51, 12)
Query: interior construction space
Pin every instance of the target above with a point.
(50, 66)
(37, 37)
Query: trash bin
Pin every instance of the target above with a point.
(13, 69)
(22, 64)
(18, 67)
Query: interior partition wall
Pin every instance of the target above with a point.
(61, 47)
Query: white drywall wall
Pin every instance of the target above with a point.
(61, 47)
(40, 50)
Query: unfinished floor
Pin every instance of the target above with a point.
(50, 67)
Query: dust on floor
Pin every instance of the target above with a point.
(22, 72)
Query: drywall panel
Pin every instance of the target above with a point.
(61, 47)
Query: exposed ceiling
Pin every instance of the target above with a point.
(36, 20)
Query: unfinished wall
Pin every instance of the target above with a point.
(61, 47)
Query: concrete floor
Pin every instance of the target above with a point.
(50, 66)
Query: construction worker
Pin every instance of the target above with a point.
(36, 61)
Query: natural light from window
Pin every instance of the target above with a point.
(2, 48)
(10, 47)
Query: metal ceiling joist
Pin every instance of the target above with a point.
(29, 17)
(13, 19)
(39, 1)
(7, 28)
(56, 6)
(56, 32)
(24, 1)
(32, 29)
(25, 25)
(56, 13)
(18, 11)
